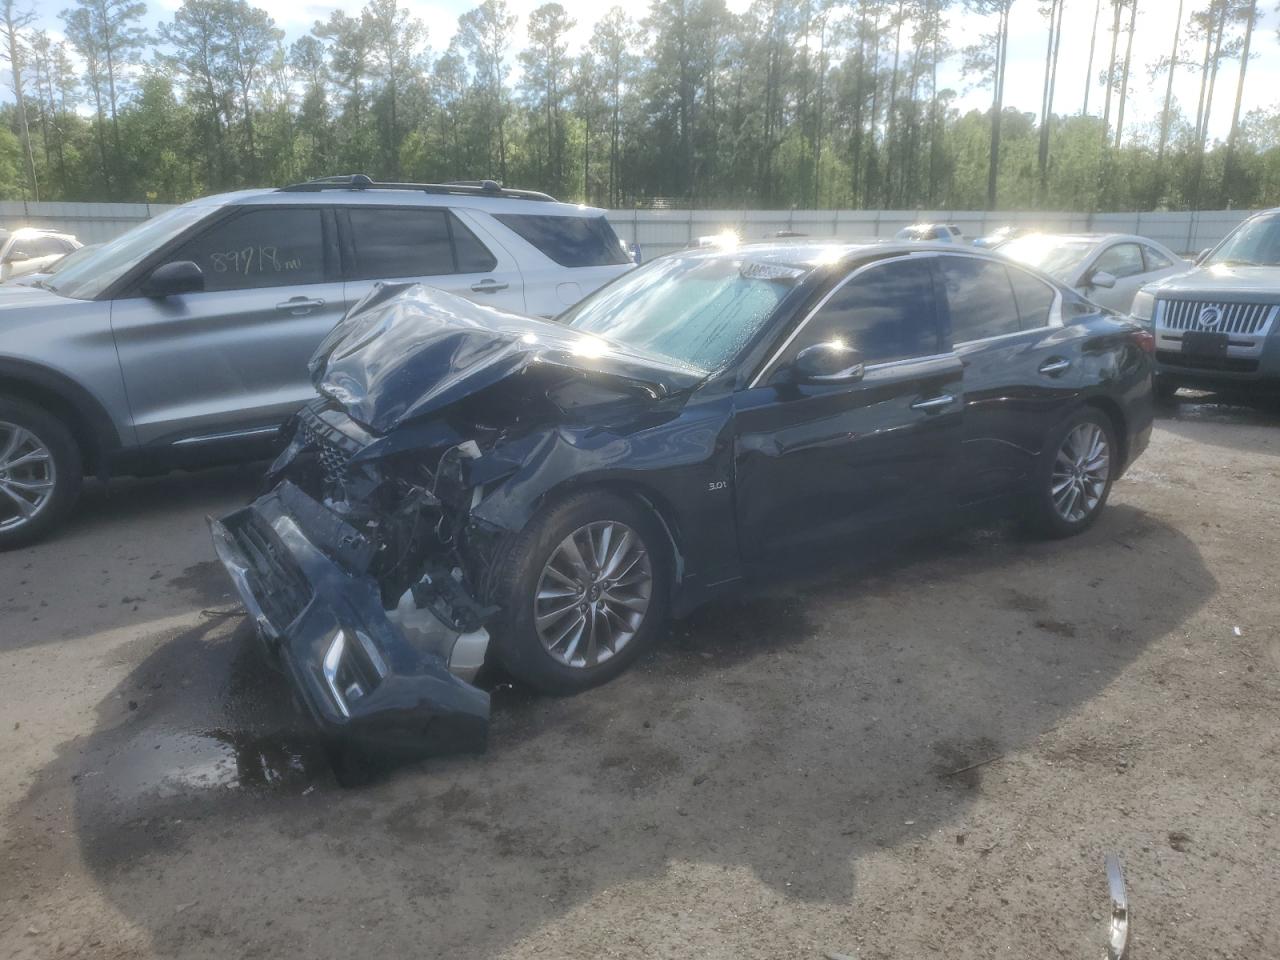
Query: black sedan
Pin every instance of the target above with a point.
(475, 486)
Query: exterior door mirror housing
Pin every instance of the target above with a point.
(832, 362)
(1200, 257)
(16, 256)
(1102, 279)
(170, 279)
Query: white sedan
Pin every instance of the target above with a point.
(1107, 268)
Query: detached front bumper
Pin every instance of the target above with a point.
(301, 574)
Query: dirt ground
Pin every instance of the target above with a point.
(784, 777)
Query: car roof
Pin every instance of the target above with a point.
(811, 254)
(383, 197)
(1089, 237)
(40, 232)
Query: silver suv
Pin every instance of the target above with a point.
(184, 341)
(1217, 327)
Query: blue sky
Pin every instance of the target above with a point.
(1026, 49)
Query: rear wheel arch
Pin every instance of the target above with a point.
(90, 425)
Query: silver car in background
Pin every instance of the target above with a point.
(1109, 269)
(185, 341)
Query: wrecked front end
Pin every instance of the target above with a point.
(371, 616)
(364, 566)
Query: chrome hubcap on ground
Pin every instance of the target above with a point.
(1080, 472)
(26, 475)
(593, 594)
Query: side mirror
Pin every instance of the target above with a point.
(170, 279)
(827, 363)
(1200, 257)
(636, 256)
(1102, 279)
(16, 256)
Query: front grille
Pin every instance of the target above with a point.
(1244, 318)
(1194, 361)
(333, 459)
(279, 586)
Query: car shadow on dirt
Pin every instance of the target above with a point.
(130, 544)
(789, 732)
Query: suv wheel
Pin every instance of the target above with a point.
(1074, 474)
(40, 472)
(583, 590)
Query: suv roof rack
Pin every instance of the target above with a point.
(361, 181)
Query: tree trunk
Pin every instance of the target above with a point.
(1229, 161)
(1168, 90)
(12, 26)
(997, 107)
(1124, 79)
(1208, 105)
(1046, 102)
(891, 115)
(1111, 69)
(1088, 70)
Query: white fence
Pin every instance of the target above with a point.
(661, 231)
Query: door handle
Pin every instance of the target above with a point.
(1056, 365)
(489, 286)
(300, 306)
(934, 403)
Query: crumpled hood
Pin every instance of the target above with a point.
(406, 350)
(1244, 283)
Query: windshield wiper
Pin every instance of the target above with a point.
(1236, 262)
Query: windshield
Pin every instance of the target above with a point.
(1056, 257)
(90, 275)
(701, 310)
(1255, 243)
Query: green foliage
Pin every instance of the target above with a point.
(809, 103)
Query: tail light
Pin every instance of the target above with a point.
(1144, 340)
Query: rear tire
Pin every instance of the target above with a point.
(1073, 474)
(583, 589)
(40, 472)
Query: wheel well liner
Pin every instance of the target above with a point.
(89, 423)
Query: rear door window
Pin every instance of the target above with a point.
(980, 298)
(1035, 298)
(887, 313)
(260, 248)
(1154, 258)
(412, 242)
(1122, 260)
(569, 241)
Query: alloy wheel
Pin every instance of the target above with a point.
(593, 594)
(27, 475)
(1080, 472)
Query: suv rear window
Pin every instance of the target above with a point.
(413, 243)
(569, 241)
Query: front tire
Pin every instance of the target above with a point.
(40, 472)
(583, 589)
(1074, 474)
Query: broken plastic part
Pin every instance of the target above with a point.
(1118, 939)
